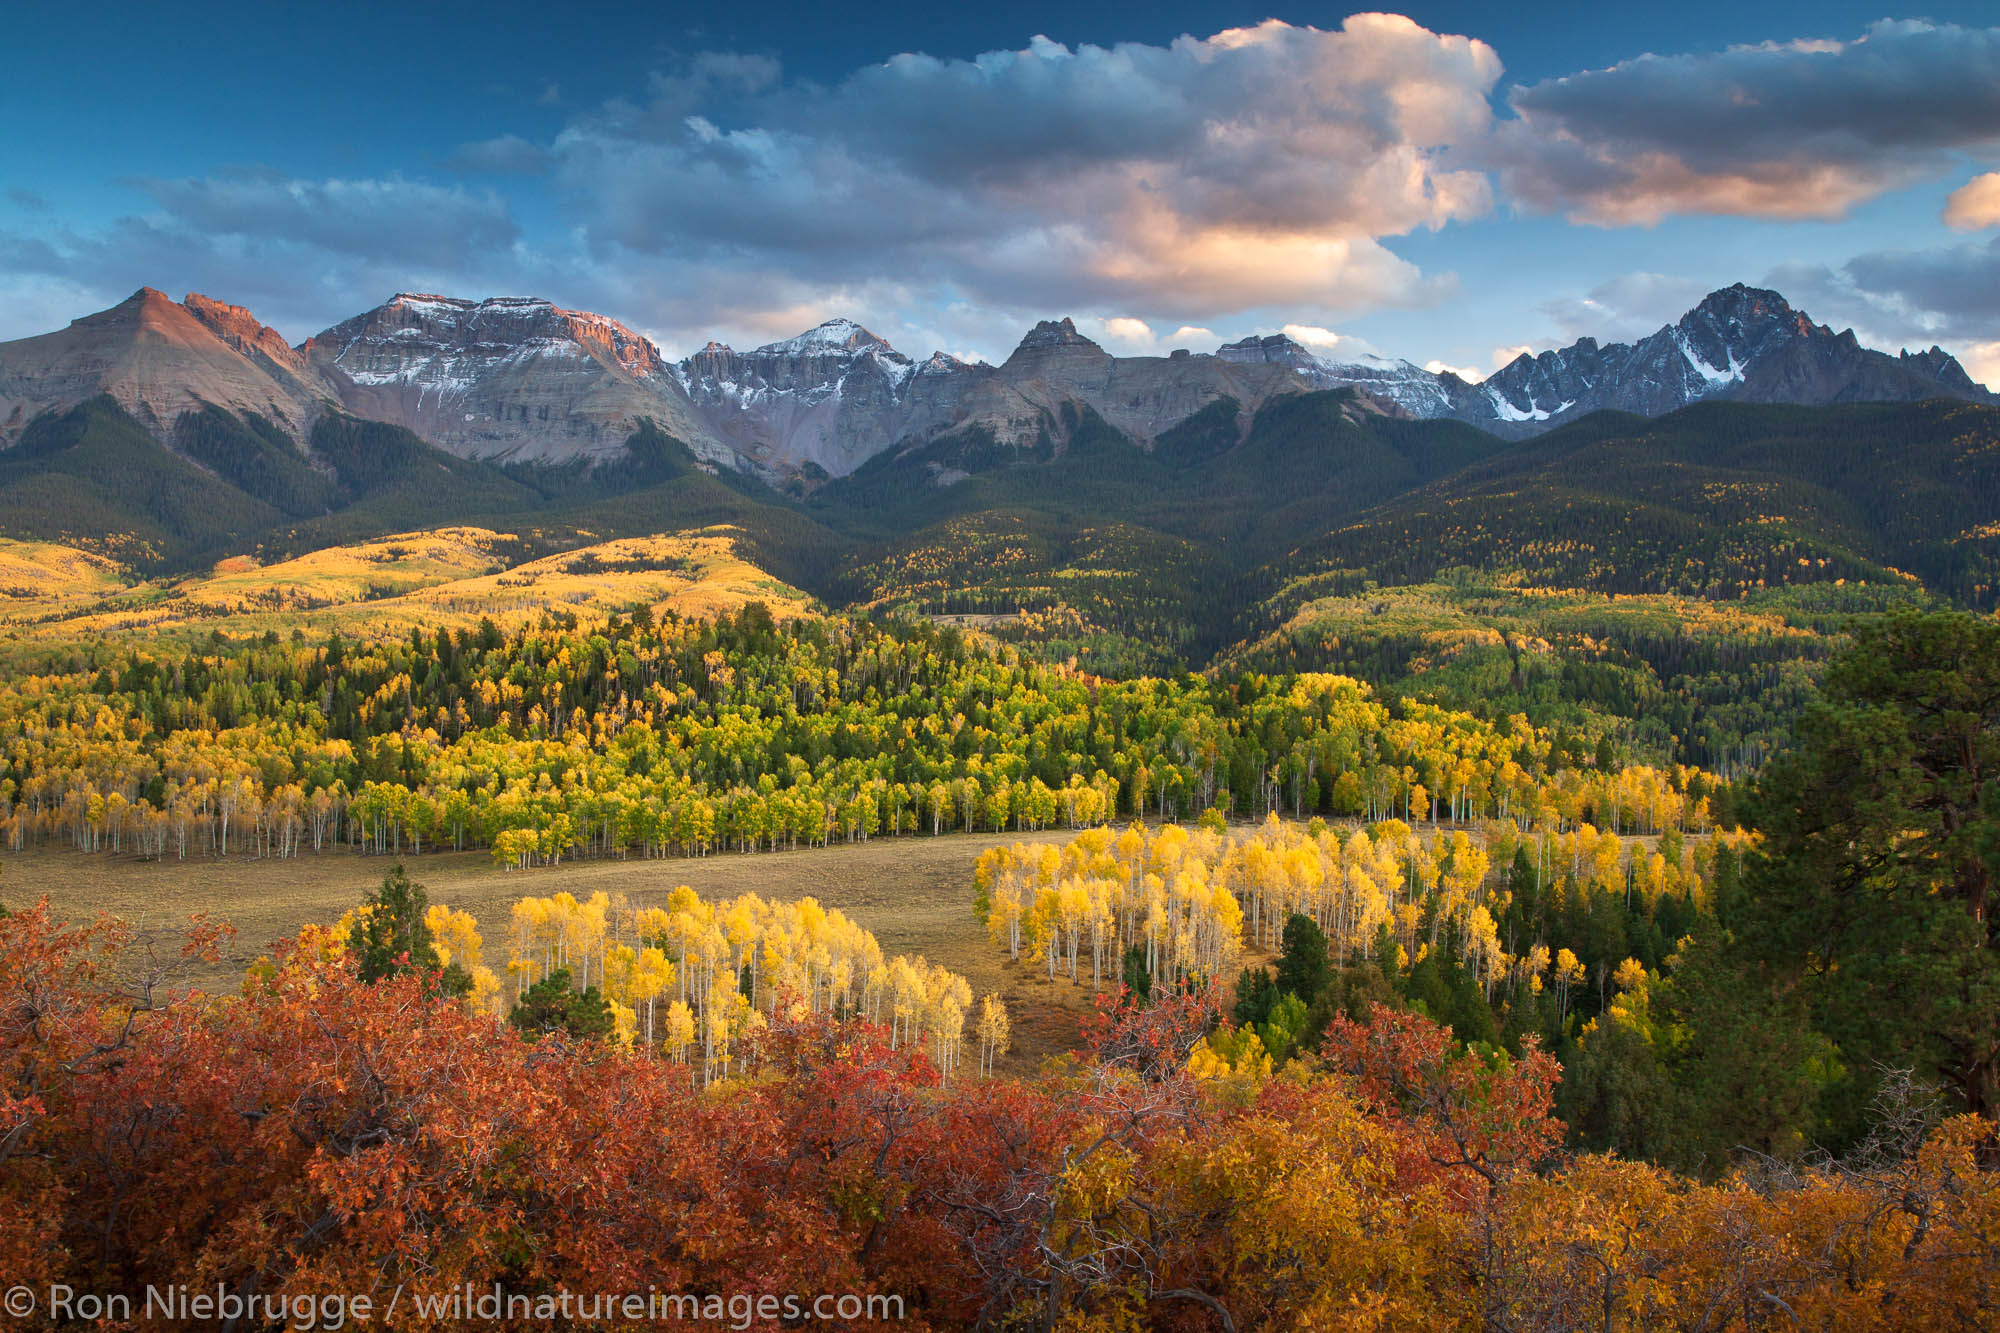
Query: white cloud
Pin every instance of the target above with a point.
(1326, 340)
(301, 254)
(391, 220)
(1255, 175)
(1469, 374)
(507, 155)
(946, 203)
(1135, 332)
(31, 304)
(1948, 296)
(1783, 130)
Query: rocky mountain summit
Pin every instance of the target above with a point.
(1743, 344)
(1141, 396)
(837, 395)
(158, 359)
(513, 378)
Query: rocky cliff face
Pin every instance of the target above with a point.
(1741, 343)
(509, 378)
(158, 359)
(837, 395)
(1141, 396)
(829, 399)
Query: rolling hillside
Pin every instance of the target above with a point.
(1716, 500)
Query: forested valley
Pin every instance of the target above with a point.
(1402, 1016)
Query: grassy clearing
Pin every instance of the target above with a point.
(915, 894)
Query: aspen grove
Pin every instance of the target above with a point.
(636, 738)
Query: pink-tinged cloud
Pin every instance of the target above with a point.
(1974, 205)
(1982, 362)
(1780, 130)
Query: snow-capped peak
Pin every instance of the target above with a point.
(1353, 364)
(836, 335)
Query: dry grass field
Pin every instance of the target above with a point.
(915, 894)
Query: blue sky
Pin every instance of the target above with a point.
(1169, 174)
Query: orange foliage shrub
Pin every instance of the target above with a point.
(321, 1135)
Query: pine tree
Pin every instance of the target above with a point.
(390, 935)
(1304, 966)
(554, 1005)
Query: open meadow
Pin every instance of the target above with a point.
(914, 894)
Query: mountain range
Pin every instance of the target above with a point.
(1139, 513)
(523, 381)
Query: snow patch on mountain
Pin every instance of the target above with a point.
(1714, 378)
(1506, 411)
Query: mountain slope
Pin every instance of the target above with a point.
(157, 360)
(1156, 550)
(837, 396)
(1716, 500)
(1139, 396)
(522, 380)
(94, 477)
(1412, 389)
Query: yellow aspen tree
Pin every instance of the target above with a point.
(995, 1032)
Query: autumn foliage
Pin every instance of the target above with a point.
(321, 1134)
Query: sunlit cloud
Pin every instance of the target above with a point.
(1974, 205)
(1206, 176)
(1131, 332)
(1241, 180)
(1982, 362)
